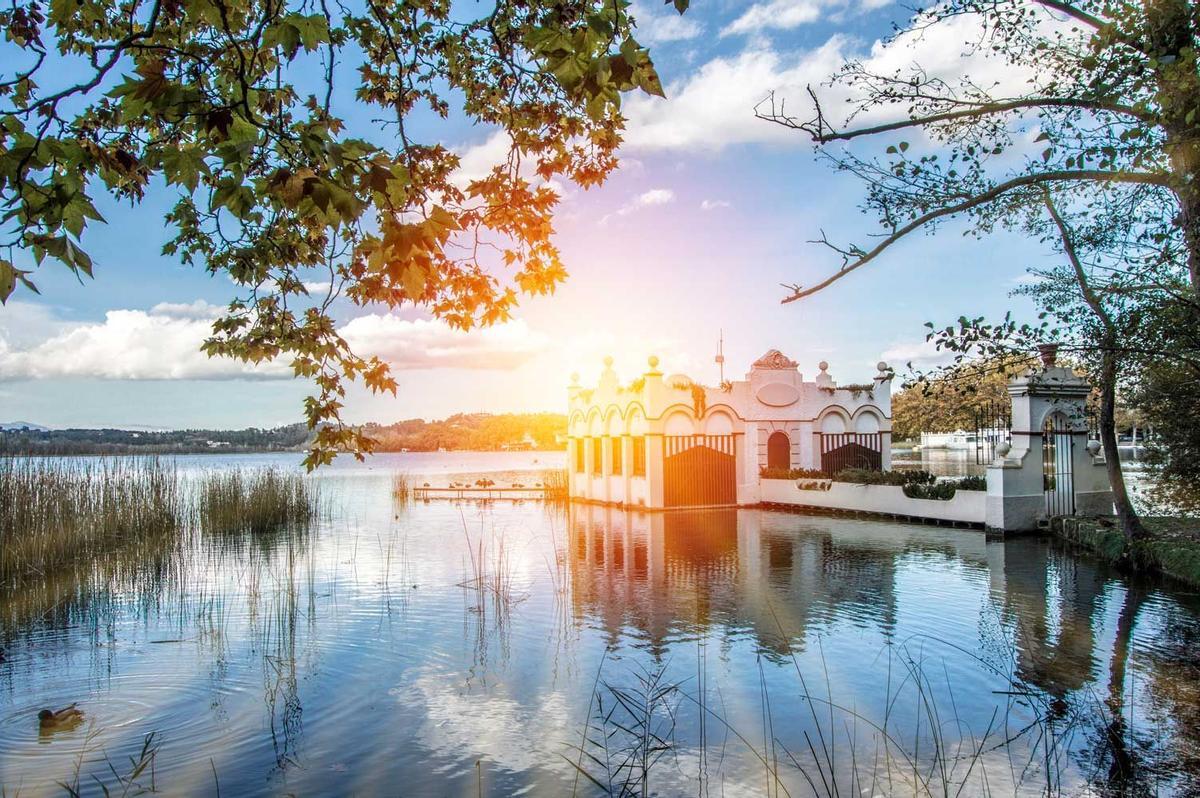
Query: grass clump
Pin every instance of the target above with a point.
(554, 483)
(57, 513)
(255, 502)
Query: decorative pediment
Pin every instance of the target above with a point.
(774, 359)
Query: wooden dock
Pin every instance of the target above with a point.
(479, 492)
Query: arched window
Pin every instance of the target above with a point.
(779, 451)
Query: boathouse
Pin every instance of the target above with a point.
(669, 441)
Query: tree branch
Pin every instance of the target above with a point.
(817, 127)
(1039, 179)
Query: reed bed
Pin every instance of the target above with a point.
(58, 513)
(554, 481)
(255, 502)
(401, 488)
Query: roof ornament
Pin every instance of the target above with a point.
(774, 359)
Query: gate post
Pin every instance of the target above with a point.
(1016, 488)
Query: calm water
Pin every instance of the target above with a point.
(767, 653)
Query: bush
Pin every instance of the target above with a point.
(945, 490)
(792, 473)
(941, 491)
(867, 476)
(971, 483)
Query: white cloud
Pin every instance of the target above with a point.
(714, 108)
(655, 196)
(782, 14)
(164, 344)
(712, 205)
(187, 310)
(160, 344)
(655, 27)
(429, 343)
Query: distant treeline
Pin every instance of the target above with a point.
(474, 431)
(120, 441)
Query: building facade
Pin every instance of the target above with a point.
(667, 441)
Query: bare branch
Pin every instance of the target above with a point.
(1023, 181)
(817, 127)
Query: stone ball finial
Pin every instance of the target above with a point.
(1003, 448)
(823, 365)
(574, 377)
(882, 365)
(1093, 448)
(608, 361)
(653, 361)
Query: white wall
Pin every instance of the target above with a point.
(967, 506)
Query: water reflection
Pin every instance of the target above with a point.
(466, 649)
(1059, 629)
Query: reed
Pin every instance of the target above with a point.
(402, 488)
(259, 502)
(554, 481)
(57, 513)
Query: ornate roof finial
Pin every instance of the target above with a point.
(774, 359)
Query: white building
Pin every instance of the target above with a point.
(661, 442)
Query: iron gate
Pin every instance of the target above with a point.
(841, 450)
(993, 422)
(699, 470)
(1058, 477)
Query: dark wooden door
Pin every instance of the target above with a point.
(699, 470)
(779, 451)
(851, 450)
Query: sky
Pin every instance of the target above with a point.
(709, 213)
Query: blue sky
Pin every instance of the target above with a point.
(709, 213)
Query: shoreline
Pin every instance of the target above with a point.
(1172, 550)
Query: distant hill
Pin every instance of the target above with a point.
(15, 425)
(124, 441)
(473, 432)
(461, 432)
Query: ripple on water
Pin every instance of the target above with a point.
(192, 716)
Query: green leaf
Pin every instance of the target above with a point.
(8, 280)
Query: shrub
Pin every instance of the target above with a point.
(945, 490)
(971, 483)
(942, 491)
(792, 473)
(867, 476)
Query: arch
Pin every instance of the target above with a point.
(594, 423)
(678, 423)
(577, 428)
(867, 421)
(718, 423)
(613, 422)
(635, 420)
(833, 422)
(779, 450)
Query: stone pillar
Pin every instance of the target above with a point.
(627, 468)
(1016, 497)
(654, 470)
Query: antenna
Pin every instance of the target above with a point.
(720, 358)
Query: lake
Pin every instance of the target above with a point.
(466, 648)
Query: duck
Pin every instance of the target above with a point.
(63, 719)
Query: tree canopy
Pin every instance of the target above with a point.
(241, 107)
(1099, 104)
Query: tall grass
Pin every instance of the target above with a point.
(254, 502)
(57, 513)
(555, 484)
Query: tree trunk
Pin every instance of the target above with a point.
(1170, 33)
(1131, 524)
